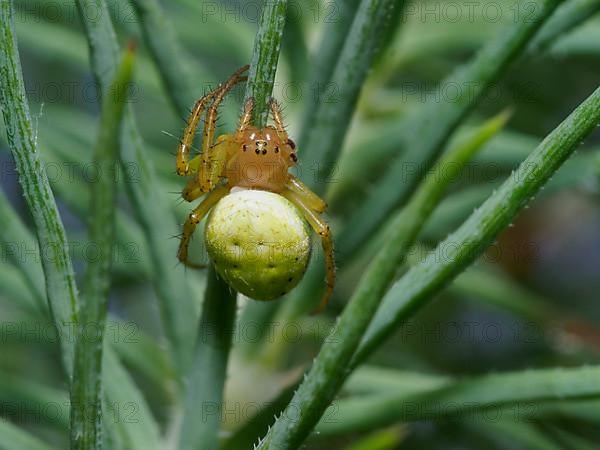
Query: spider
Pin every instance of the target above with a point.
(219, 168)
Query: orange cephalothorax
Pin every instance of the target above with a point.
(260, 159)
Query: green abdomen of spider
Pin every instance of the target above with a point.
(258, 243)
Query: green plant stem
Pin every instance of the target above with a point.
(145, 355)
(464, 398)
(203, 402)
(120, 388)
(58, 271)
(460, 249)
(327, 52)
(86, 416)
(176, 301)
(429, 194)
(267, 45)
(427, 139)
(329, 370)
(332, 118)
(75, 193)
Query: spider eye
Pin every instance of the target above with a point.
(291, 144)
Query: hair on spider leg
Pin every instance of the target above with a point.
(283, 111)
(178, 139)
(168, 133)
(185, 119)
(176, 236)
(180, 198)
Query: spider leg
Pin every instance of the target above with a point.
(194, 219)
(209, 171)
(192, 190)
(312, 200)
(246, 115)
(277, 118)
(183, 151)
(322, 229)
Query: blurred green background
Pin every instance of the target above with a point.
(531, 302)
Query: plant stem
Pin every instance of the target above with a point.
(60, 281)
(205, 393)
(327, 53)
(86, 416)
(267, 45)
(121, 391)
(333, 117)
(177, 307)
(463, 398)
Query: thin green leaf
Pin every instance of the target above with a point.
(428, 136)
(177, 307)
(204, 399)
(325, 57)
(141, 352)
(60, 281)
(461, 248)
(454, 210)
(126, 408)
(428, 195)
(464, 399)
(267, 45)
(60, 284)
(86, 390)
(332, 118)
(373, 379)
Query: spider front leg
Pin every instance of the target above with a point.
(303, 201)
(211, 166)
(194, 219)
(311, 199)
(183, 166)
